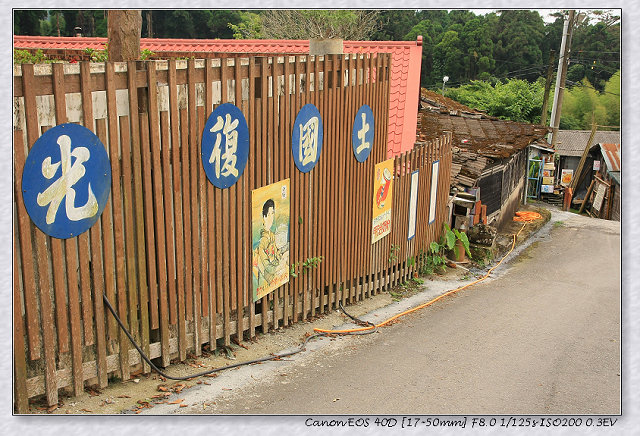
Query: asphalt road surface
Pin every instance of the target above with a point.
(542, 338)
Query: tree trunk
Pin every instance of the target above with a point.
(123, 30)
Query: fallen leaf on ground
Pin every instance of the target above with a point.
(183, 405)
(176, 401)
(86, 410)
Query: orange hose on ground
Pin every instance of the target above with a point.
(527, 217)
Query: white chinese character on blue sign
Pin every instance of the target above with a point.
(363, 133)
(225, 145)
(67, 164)
(306, 141)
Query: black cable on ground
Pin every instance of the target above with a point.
(356, 320)
(235, 365)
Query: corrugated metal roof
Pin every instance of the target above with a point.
(611, 154)
(573, 142)
(406, 60)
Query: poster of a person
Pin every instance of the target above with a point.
(270, 237)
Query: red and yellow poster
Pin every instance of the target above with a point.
(382, 199)
(270, 207)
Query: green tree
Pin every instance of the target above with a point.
(514, 99)
(393, 25)
(518, 39)
(611, 99)
(27, 22)
(581, 102)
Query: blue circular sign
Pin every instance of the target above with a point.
(306, 141)
(363, 133)
(66, 181)
(225, 145)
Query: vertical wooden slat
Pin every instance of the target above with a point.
(251, 115)
(130, 249)
(83, 239)
(325, 283)
(176, 149)
(274, 165)
(291, 107)
(168, 216)
(46, 310)
(70, 252)
(195, 231)
(239, 223)
(186, 210)
(21, 399)
(306, 203)
(158, 189)
(107, 241)
(212, 209)
(222, 229)
(138, 182)
(264, 100)
(314, 209)
(118, 232)
(203, 285)
(26, 252)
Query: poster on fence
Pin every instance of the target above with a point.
(270, 207)
(382, 198)
(435, 168)
(413, 204)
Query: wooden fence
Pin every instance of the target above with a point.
(172, 252)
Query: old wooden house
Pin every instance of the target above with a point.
(488, 153)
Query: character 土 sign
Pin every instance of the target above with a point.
(363, 133)
(306, 141)
(225, 145)
(66, 181)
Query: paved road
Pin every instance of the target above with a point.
(542, 338)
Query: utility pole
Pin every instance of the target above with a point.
(563, 62)
(547, 88)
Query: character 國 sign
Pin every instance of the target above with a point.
(66, 181)
(306, 141)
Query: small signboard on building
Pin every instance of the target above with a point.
(565, 177)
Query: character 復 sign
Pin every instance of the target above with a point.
(225, 145)
(66, 181)
(363, 133)
(307, 137)
(382, 199)
(270, 237)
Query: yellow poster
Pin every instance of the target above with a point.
(270, 237)
(382, 197)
